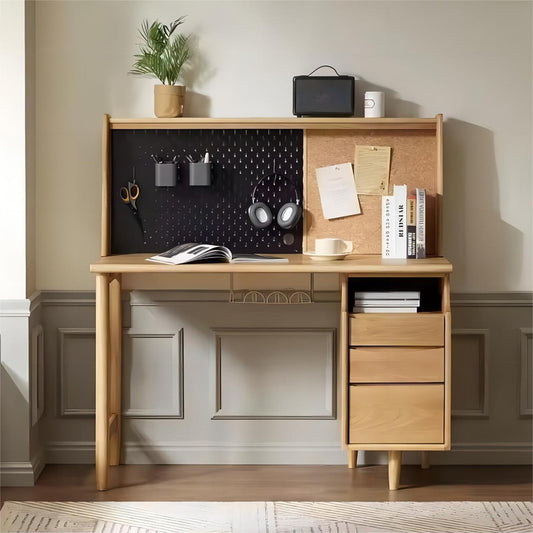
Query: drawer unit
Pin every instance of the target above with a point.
(397, 329)
(396, 414)
(391, 364)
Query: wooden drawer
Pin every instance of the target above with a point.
(396, 414)
(397, 329)
(395, 365)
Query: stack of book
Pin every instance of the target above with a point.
(403, 224)
(386, 302)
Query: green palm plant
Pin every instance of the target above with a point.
(162, 54)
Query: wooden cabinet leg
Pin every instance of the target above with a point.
(395, 466)
(424, 463)
(352, 458)
(115, 370)
(102, 388)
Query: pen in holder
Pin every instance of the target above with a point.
(199, 173)
(166, 174)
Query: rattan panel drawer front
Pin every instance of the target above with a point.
(397, 329)
(385, 364)
(397, 414)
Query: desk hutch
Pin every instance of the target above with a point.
(396, 368)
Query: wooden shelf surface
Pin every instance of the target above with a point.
(355, 265)
(306, 123)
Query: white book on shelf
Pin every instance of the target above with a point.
(387, 295)
(387, 303)
(387, 227)
(400, 235)
(385, 309)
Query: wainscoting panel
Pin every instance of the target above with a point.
(152, 375)
(76, 371)
(37, 373)
(470, 372)
(526, 357)
(275, 373)
(206, 381)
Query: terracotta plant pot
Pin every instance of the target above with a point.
(169, 100)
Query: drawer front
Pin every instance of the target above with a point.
(397, 414)
(396, 365)
(400, 329)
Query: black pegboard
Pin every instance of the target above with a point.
(214, 214)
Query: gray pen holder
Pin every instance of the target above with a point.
(199, 174)
(166, 174)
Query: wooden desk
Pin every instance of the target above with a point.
(109, 270)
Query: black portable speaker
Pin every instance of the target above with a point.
(323, 96)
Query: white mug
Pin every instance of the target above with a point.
(331, 246)
(374, 104)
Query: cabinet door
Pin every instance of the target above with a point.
(396, 414)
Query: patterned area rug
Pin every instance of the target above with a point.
(267, 517)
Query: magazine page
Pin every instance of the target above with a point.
(191, 253)
(256, 258)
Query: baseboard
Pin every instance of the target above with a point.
(202, 453)
(275, 453)
(22, 474)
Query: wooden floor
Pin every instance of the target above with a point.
(286, 483)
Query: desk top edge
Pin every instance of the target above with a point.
(298, 263)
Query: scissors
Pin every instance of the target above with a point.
(129, 196)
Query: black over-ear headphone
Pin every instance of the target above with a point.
(288, 214)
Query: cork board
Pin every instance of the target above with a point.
(414, 161)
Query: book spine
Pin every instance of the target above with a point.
(387, 226)
(420, 223)
(400, 200)
(411, 226)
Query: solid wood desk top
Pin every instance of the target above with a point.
(298, 263)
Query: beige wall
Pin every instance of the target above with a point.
(468, 60)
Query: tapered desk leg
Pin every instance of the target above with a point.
(115, 370)
(395, 466)
(352, 458)
(102, 385)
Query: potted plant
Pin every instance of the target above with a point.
(162, 55)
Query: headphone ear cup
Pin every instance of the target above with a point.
(260, 215)
(289, 215)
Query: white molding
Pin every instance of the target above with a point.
(483, 412)
(178, 355)
(525, 334)
(15, 308)
(37, 373)
(63, 410)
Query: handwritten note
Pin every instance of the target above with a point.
(372, 168)
(338, 194)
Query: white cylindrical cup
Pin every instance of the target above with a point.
(374, 104)
(332, 246)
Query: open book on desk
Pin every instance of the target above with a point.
(209, 253)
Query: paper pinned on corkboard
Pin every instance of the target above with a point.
(372, 169)
(338, 194)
